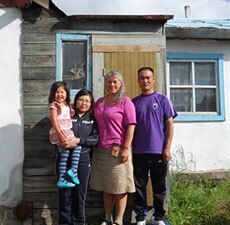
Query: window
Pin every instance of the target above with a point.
(195, 86)
(73, 61)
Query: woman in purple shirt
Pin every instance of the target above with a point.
(112, 170)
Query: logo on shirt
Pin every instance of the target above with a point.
(155, 105)
(87, 122)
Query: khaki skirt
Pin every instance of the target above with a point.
(109, 175)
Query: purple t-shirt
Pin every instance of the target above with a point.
(112, 121)
(151, 111)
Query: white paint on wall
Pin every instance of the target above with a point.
(207, 141)
(11, 121)
(211, 9)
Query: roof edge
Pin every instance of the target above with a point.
(162, 18)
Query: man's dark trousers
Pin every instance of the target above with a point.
(153, 164)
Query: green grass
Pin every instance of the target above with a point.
(199, 202)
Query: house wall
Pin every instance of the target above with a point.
(204, 143)
(11, 114)
(39, 28)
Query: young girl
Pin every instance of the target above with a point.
(60, 114)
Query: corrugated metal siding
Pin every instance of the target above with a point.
(127, 63)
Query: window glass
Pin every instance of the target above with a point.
(74, 69)
(182, 99)
(180, 73)
(205, 100)
(205, 73)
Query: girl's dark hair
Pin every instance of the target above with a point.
(81, 93)
(54, 88)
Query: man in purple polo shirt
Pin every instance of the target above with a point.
(151, 145)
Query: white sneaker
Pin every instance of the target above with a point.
(141, 222)
(106, 223)
(161, 222)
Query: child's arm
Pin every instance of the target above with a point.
(53, 119)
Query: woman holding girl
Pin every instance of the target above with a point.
(72, 199)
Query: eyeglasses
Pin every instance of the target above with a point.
(84, 101)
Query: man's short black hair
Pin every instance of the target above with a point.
(145, 68)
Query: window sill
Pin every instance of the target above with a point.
(199, 118)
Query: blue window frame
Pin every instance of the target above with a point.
(73, 61)
(195, 85)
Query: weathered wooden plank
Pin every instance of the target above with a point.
(31, 124)
(126, 48)
(35, 99)
(50, 200)
(38, 49)
(40, 184)
(38, 132)
(93, 214)
(38, 61)
(42, 200)
(43, 26)
(39, 166)
(38, 13)
(39, 148)
(43, 124)
(153, 38)
(98, 79)
(37, 86)
(160, 71)
(27, 38)
(40, 73)
(35, 114)
(94, 199)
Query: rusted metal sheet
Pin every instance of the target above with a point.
(127, 64)
(23, 3)
(15, 3)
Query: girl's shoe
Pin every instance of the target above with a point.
(105, 222)
(65, 184)
(73, 176)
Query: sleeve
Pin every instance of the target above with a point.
(72, 112)
(129, 112)
(92, 138)
(169, 110)
(55, 105)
